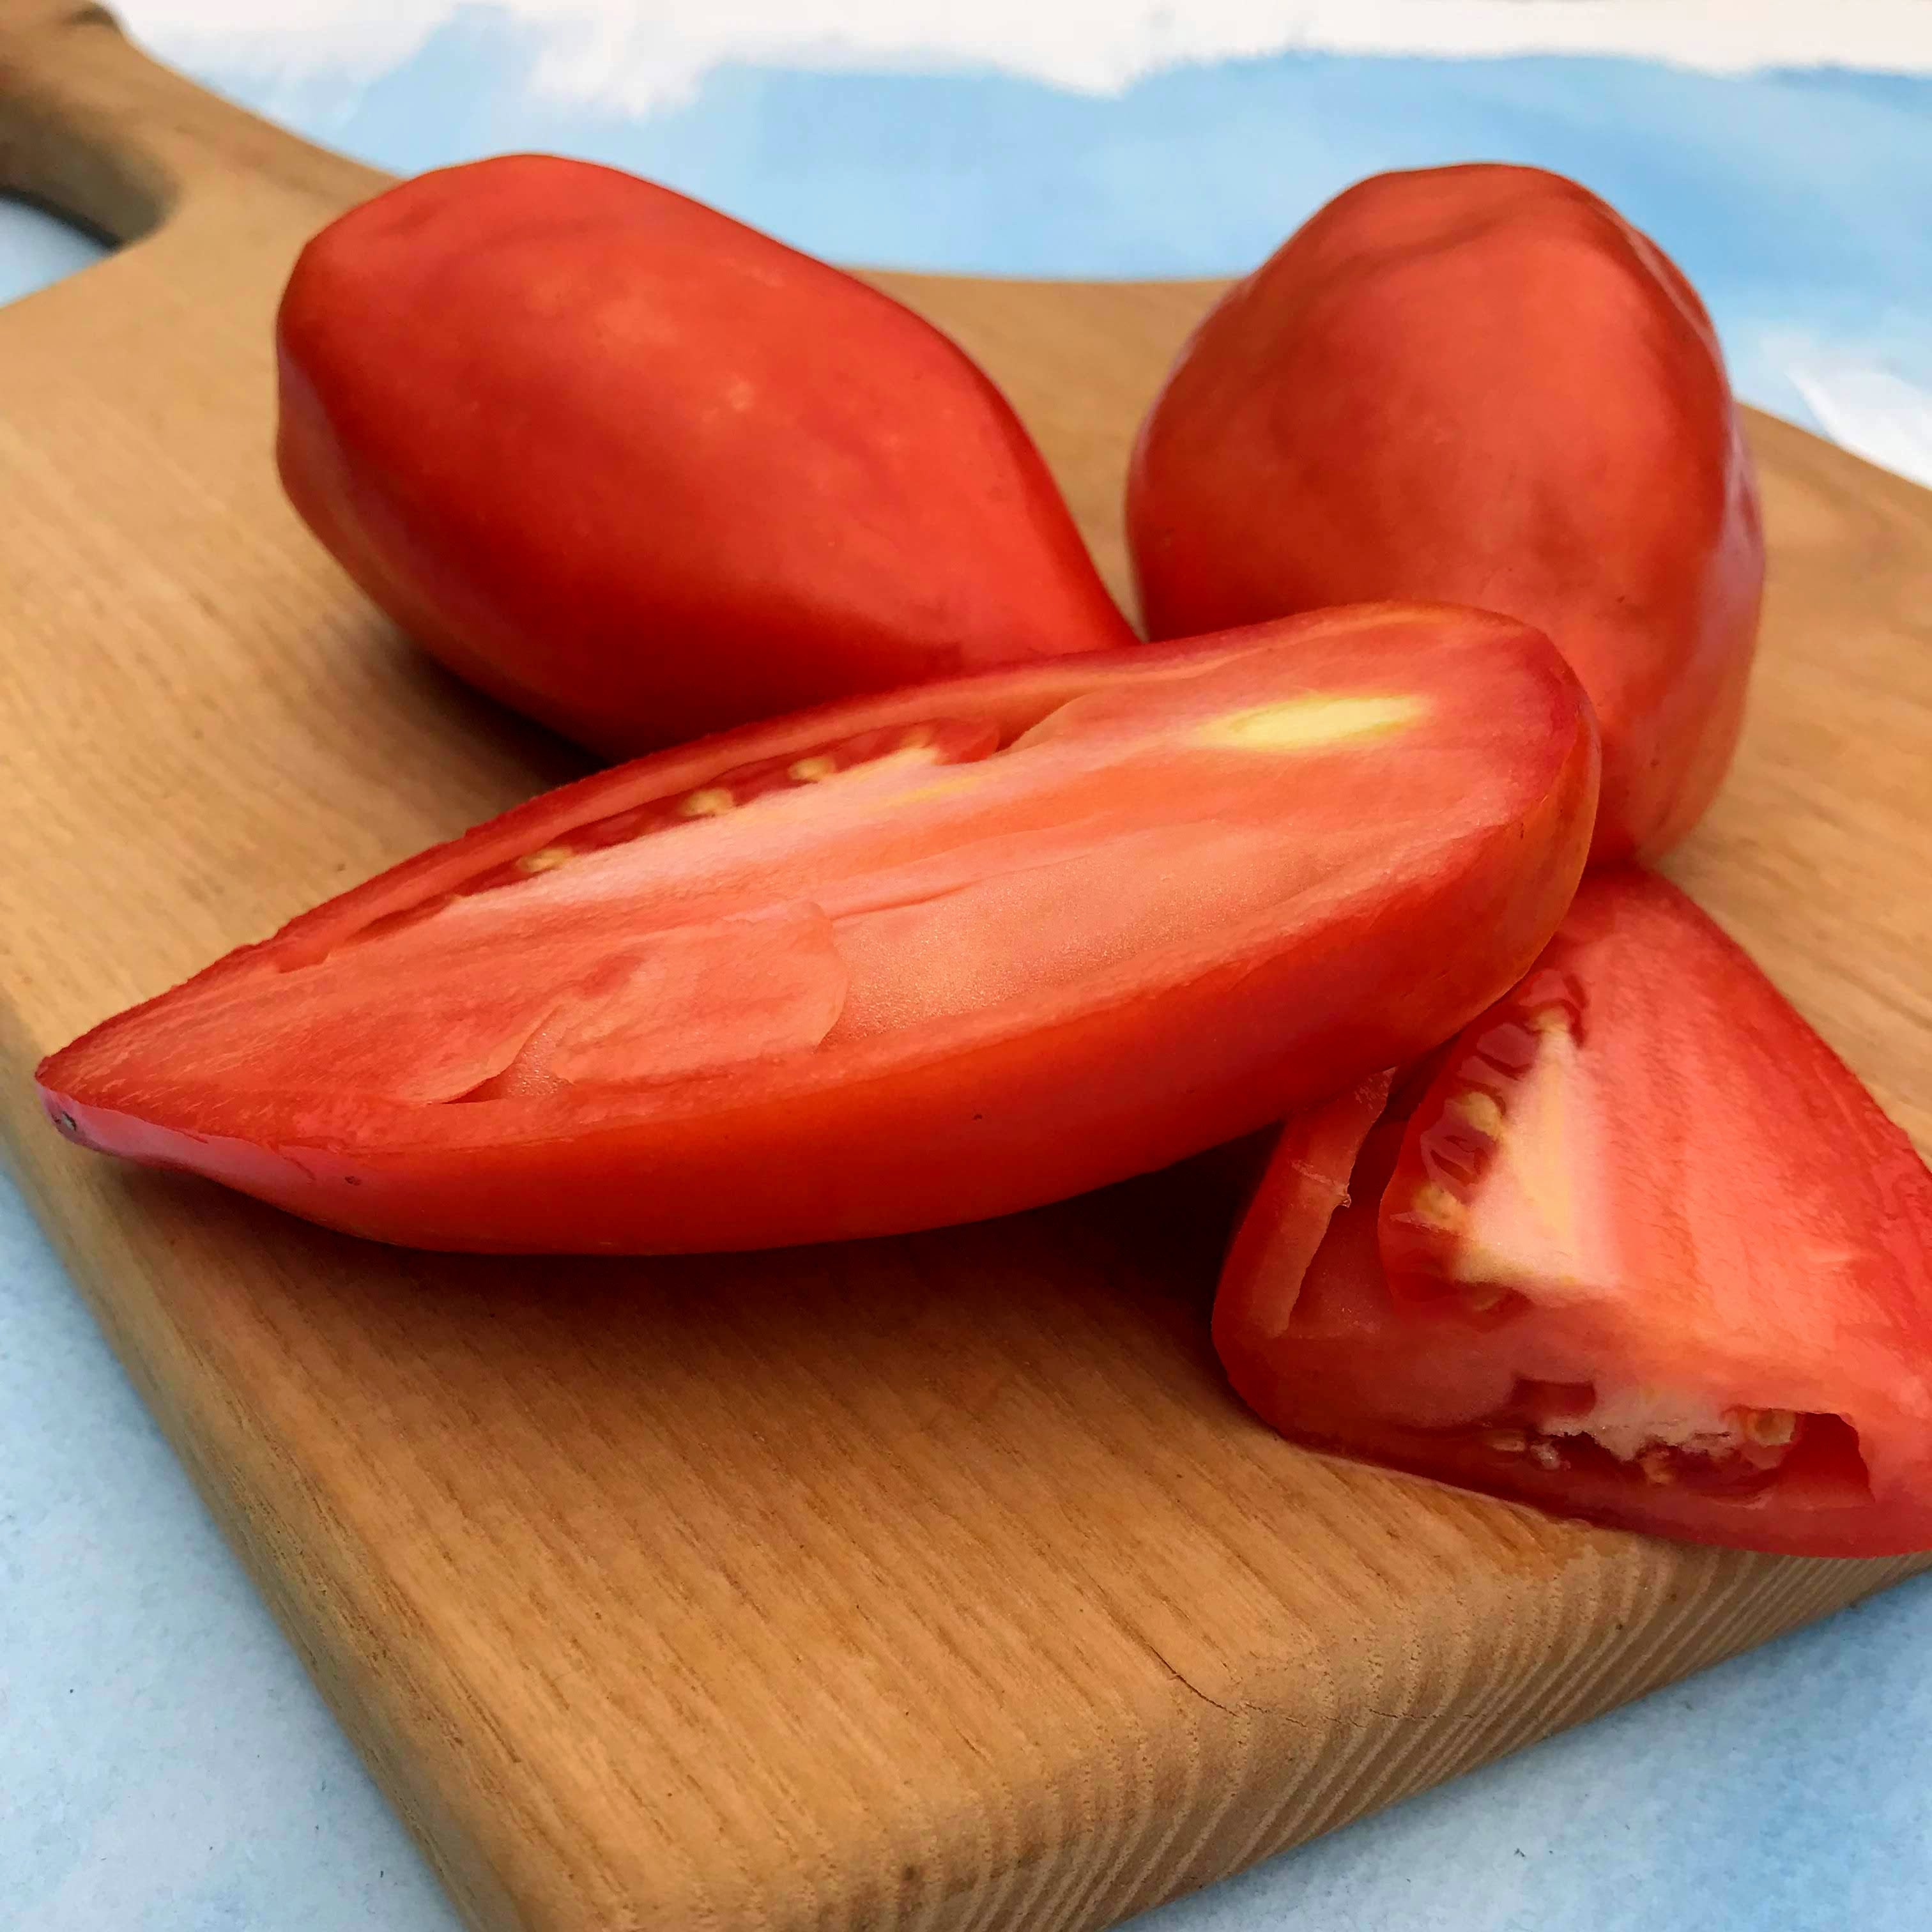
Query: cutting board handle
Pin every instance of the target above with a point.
(97, 132)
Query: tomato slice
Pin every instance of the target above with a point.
(902, 962)
(1640, 1249)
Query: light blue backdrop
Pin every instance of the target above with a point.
(1798, 203)
(164, 1765)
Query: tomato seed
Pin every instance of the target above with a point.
(945, 741)
(1435, 1206)
(1769, 1428)
(1478, 1110)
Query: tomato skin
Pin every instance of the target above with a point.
(1480, 384)
(1305, 1183)
(1751, 1238)
(1287, 917)
(645, 473)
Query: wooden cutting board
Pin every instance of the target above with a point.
(935, 1582)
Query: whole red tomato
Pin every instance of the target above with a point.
(644, 473)
(1479, 384)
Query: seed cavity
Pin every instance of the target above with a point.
(1551, 1424)
(1769, 1428)
(933, 742)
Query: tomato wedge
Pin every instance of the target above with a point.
(1478, 383)
(1639, 1249)
(643, 472)
(899, 962)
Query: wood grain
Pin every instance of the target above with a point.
(932, 1583)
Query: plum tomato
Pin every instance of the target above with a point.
(902, 962)
(643, 472)
(1478, 383)
(1638, 1247)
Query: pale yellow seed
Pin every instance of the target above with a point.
(1479, 1297)
(1506, 1441)
(548, 860)
(917, 740)
(1769, 1428)
(809, 771)
(1481, 1111)
(1657, 1466)
(707, 803)
(1435, 1207)
(1549, 1020)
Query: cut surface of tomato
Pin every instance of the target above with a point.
(1479, 383)
(1640, 1248)
(642, 472)
(899, 962)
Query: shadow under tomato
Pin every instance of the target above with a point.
(473, 717)
(1103, 1299)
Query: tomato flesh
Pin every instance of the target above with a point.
(902, 962)
(1639, 1249)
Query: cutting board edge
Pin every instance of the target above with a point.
(218, 1445)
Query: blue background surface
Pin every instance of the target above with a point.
(165, 1764)
(1797, 201)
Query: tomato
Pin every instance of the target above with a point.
(905, 960)
(1309, 1177)
(643, 472)
(1480, 384)
(1640, 1248)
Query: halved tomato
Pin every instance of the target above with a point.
(902, 962)
(1639, 1249)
